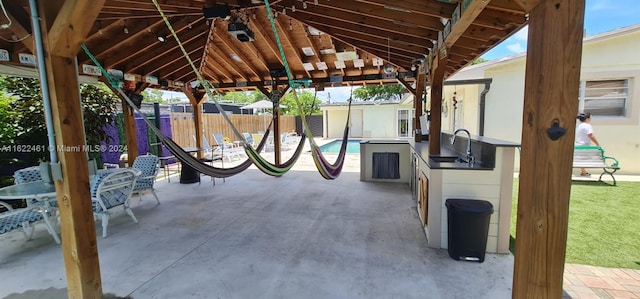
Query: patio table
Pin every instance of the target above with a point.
(38, 190)
(188, 175)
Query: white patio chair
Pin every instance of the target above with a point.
(25, 218)
(149, 166)
(225, 149)
(27, 175)
(110, 189)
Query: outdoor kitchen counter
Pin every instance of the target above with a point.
(490, 179)
(483, 149)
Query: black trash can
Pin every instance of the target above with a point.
(468, 228)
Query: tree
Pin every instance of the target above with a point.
(150, 95)
(310, 104)
(478, 61)
(26, 104)
(236, 97)
(379, 92)
(7, 115)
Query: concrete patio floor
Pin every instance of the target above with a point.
(256, 236)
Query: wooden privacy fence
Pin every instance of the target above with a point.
(183, 128)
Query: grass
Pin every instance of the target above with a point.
(604, 224)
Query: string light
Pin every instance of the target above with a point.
(304, 4)
(315, 2)
(100, 27)
(126, 31)
(284, 11)
(293, 8)
(290, 25)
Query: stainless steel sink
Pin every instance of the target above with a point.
(447, 159)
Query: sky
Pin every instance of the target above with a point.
(600, 16)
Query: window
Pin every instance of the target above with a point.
(604, 97)
(406, 119)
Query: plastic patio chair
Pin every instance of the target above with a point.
(27, 175)
(149, 166)
(25, 218)
(110, 189)
(225, 149)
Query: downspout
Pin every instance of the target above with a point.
(483, 98)
(37, 35)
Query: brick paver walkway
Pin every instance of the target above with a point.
(586, 282)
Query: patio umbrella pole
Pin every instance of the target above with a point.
(37, 36)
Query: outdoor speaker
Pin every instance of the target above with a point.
(218, 11)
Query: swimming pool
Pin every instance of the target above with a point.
(333, 147)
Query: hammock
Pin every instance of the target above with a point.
(262, 164)
(177, 150)
(327, 170)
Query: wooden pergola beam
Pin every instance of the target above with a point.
(407, 86)
(71, 26)
(467, 17)
(552, 77)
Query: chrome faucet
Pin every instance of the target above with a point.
(470, 157)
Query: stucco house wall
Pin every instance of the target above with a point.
(606, 56)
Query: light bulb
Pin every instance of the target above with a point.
(315, 2)
(100, 31)
(304, 4)
(284, 11)
(293, 8)
(290, 25)
(126, 31)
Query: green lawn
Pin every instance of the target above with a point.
(604, 224)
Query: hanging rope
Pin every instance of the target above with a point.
(254, 156)
(173, 147)
(326, 169)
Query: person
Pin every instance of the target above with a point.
(584, 135)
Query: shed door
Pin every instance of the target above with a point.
(356, 124)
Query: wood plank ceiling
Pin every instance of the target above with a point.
(315, 34)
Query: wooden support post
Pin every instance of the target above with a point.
(79, 246)
(129, 126)
(551, 89)
(64, 25)
(130, 132)
(417, 105)
(276, 131)
(437, 81)
(196, 99)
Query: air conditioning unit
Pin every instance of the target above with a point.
(240, 31)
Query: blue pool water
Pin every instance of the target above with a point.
(333, 147)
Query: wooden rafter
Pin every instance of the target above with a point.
(162, 55)
(379, 13)
(226, 60)
(167, 61)
(284, 37)
(232, 48)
